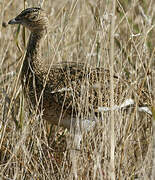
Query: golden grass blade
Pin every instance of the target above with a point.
(112, 124)
(16, 39)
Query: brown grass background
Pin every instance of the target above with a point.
(79, 30)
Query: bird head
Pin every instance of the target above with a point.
(32, 18)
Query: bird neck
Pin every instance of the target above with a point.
(33, 54)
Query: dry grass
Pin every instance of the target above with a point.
(79, 30)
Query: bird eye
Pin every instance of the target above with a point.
(33, 17)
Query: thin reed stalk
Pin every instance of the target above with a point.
(112, 133)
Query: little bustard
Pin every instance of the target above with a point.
(68, 90)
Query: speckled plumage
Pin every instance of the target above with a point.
(68, 89)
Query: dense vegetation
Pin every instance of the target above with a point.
(79, 30)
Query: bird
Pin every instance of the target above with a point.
(66, 91)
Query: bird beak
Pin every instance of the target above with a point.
(14, 21)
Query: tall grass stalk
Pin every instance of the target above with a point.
(153, 124)
(112, 52)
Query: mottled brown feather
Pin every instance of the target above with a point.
(67, 89)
